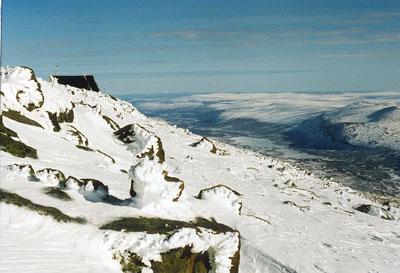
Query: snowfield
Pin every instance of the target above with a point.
(89, 184)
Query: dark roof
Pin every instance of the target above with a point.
(79, 81)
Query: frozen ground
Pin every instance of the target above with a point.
(288, 219)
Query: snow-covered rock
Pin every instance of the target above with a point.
(221, 194)
(22, 89)
(66, 132)
(205, 144)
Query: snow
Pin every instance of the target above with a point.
(309, 225)
(223, 196)
(150, 184)
(363, 124)
(33, 243)
(21, 89)
(149, 246)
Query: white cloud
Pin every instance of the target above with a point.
(284, 107)
(168, 105)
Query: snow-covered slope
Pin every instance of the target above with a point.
(358, 124)
(90, 184)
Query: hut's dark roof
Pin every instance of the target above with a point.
(79, 81)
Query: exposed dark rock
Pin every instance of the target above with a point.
(112, 97)
(84, 148)
(57, 118)
(375, 211)
(204, 139)
(93, 189)
(163, 226)
(302, 208)
(160, 151)
(112, 160)
(79, 81)
(149, 153)
(57, 193)
(6, 131)
(16, 148)
(17, 116)
(182, 260)
(17, 200)
(130, 262)
(126, 134)
(71, 183)
(111, 123)
(174, 180)
(132, 191)
(81, 138)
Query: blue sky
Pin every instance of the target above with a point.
(209, 46)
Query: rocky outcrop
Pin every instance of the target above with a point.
(111, 122)
(17, 200)
(18, 117)
(61, 117)
(151, 183)
(126, 134)
(50, 177)
(223, 195)
(375, 211)
(185, 247)
(25, 88)
(10, 143)
(205, 143)
(73, 135)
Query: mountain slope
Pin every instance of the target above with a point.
(363, 124)
(148, 198)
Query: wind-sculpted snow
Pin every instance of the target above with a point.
(128, 189)
(150, 185)
(151, 246)
(22, 87)
(205, 143)
(223, 194)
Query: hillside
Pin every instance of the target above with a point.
(362, 124)
(89, 184)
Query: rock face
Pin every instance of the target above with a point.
(126, 134)
(183, 260)
(179, 260)
(57, 118)
(10, 143)
(16, 147)
(375, 211)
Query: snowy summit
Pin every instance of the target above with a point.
(89, 184)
